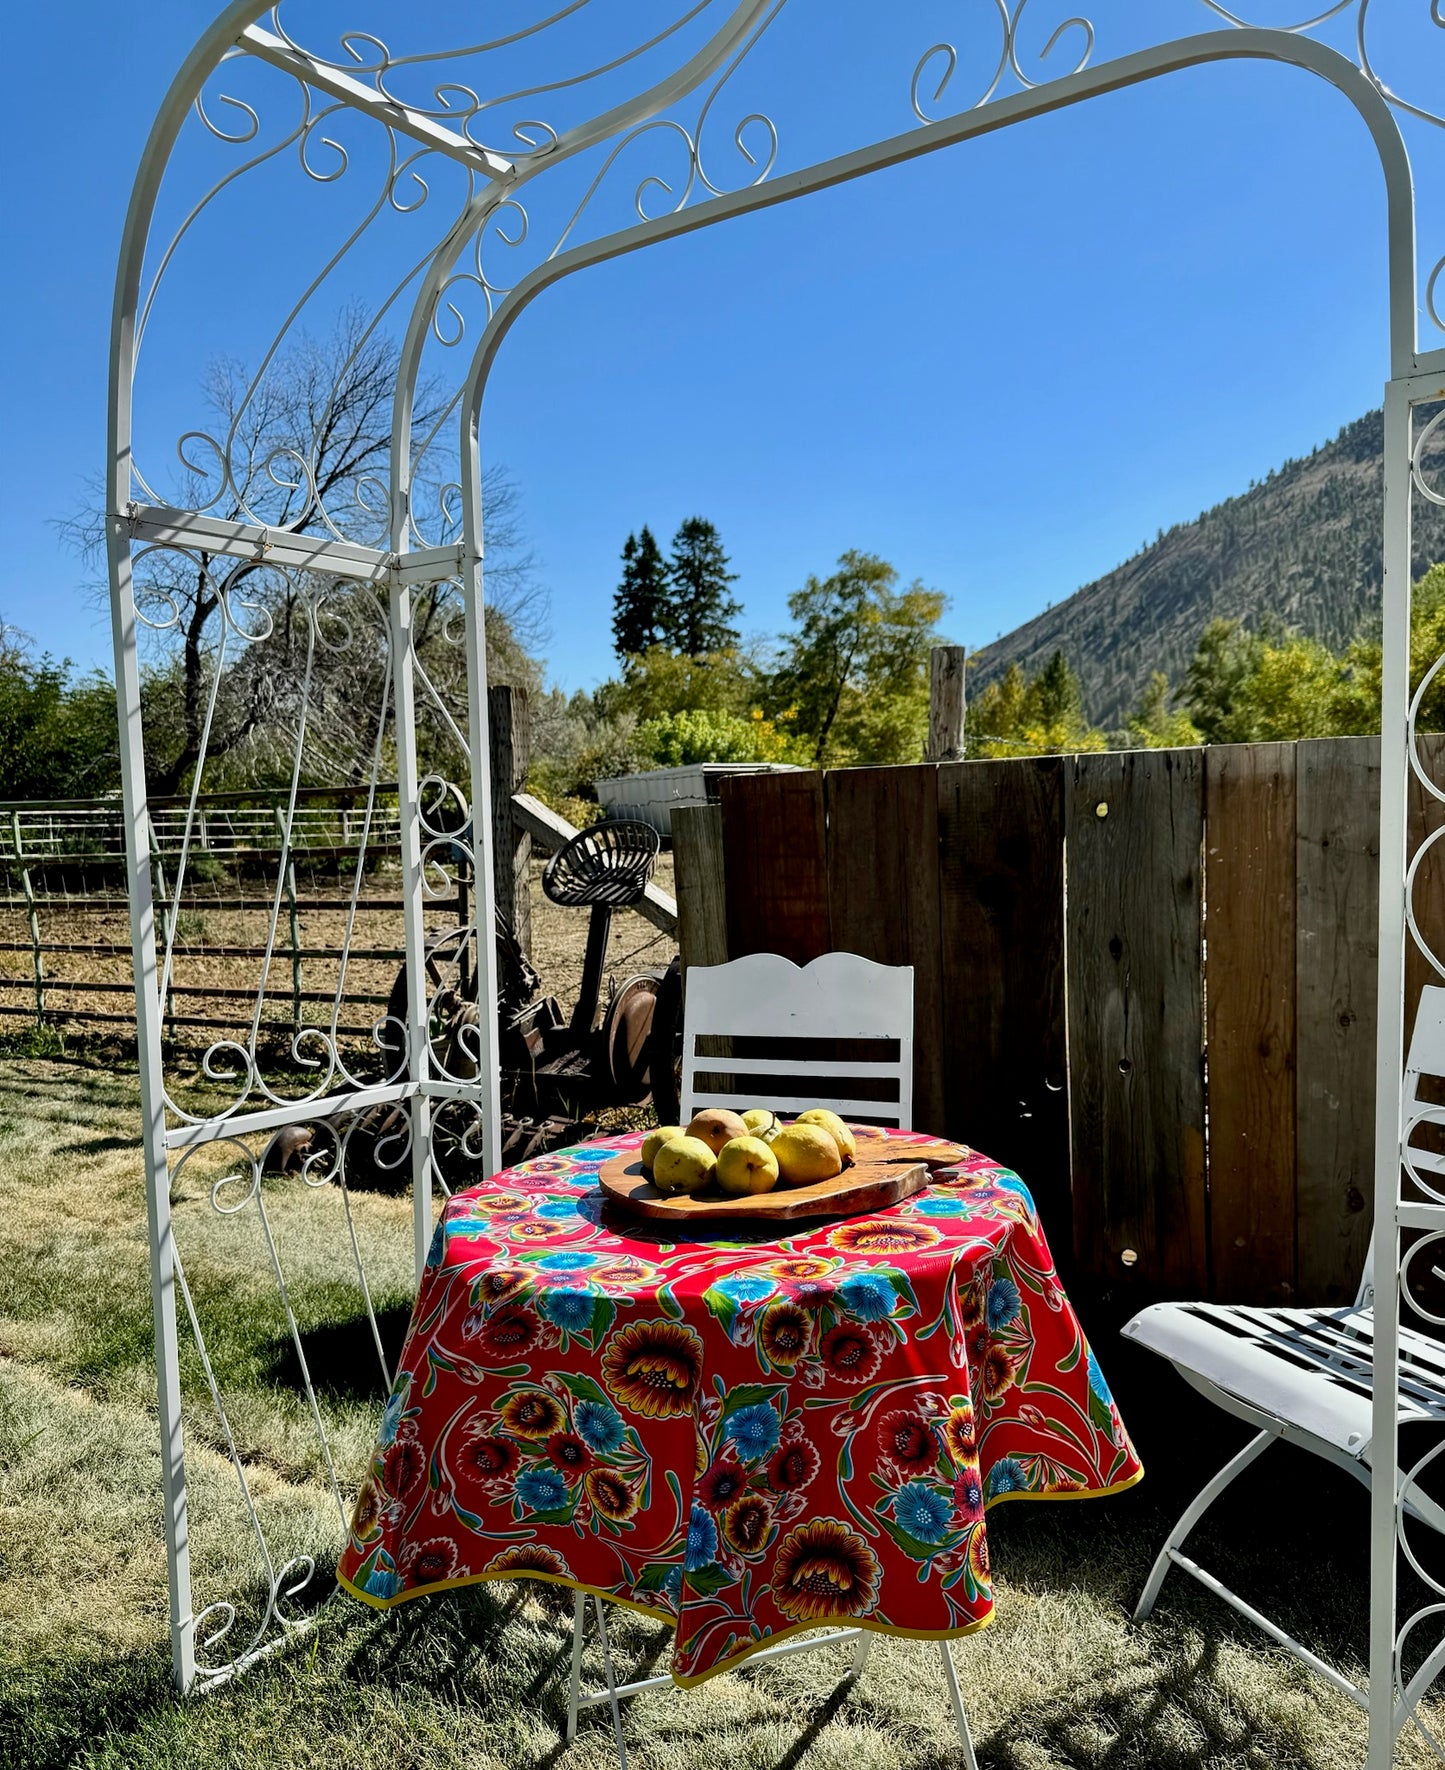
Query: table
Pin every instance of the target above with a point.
(744, 1435)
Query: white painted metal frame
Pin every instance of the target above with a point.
(713, 38)
(836, 996)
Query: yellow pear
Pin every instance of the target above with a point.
(762, 1123)
(836, 1129)
(715, 1125)
(686, 1164)
(654, 1141)
(806, 1153)
(746, 1165)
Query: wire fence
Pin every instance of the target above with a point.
(288, 916)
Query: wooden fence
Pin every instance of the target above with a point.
(1146, 980)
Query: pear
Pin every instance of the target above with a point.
(762, 1123)
(684, 1165)
(746, 1165)
(715, 1125)
(836, 1129)
(805, 1153)
(654, 1141)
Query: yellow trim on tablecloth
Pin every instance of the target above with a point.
(1069, 1493)
(476, 1579)
(690, 1682)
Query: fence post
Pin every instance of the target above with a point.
(293, 917)
(33, 918)
(699, 880)
(168, 945)
(945, 703)
(511, 759)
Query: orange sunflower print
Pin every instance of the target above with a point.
(996, 1372)
(611, 1496)
(884, 1235)
(824, 1569)
(653, 1368)
(801, 1266)
(529, 1558)
(785, 1333)
(958, 1435)
(532, 1413)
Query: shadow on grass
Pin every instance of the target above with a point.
(341, 1356)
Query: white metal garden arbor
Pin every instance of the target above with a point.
(540, 112)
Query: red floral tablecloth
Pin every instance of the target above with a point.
(745, 1437)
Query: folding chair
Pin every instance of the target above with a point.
(1305, 1376)
(839, 997)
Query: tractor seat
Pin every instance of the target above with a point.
(608, 863)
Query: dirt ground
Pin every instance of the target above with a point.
(206, 959)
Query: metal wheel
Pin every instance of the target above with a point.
(664, 1047)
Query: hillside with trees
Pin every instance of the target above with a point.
(1301, 549)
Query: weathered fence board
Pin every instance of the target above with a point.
(1337, 856)
(775, 840)
(1001, 890)
(1134, 828)
(883, 898)
(1249, 808)
(698, 876)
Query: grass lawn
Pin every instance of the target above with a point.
(476, 1679)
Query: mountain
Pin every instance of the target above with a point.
(1303, 545)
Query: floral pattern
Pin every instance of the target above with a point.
(744, 1436)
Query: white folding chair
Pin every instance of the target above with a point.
(838, 997)
(1305, 1376)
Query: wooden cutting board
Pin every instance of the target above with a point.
(885, 1172)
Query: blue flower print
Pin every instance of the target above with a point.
(701, 1539)
(567, 1260)
(558, 1207)
(391, 1418)
(569, 1310)
(1096, 1379)
(754, 1430)
(1004, 1304)
(1006, 1476)
(922, 1511)
(383, 1582)
(599, 1426)
(742, 1288)
(1011, 1183)
(941, 1205)
(541, 1490)
(437, 1250)
(869, 1296)
(672, 1583)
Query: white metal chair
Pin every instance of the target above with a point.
(838, 997)
(1305, 1376)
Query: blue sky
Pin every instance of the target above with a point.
(1003, 367)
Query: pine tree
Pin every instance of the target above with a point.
(698, 616)
(638, 606)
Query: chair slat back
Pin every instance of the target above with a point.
(1426, 1058)
(838, 997)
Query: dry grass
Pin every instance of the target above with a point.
(1062, 1679)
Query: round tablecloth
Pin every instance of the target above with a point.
(744, 1435)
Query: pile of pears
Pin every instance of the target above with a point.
(746, 1153)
